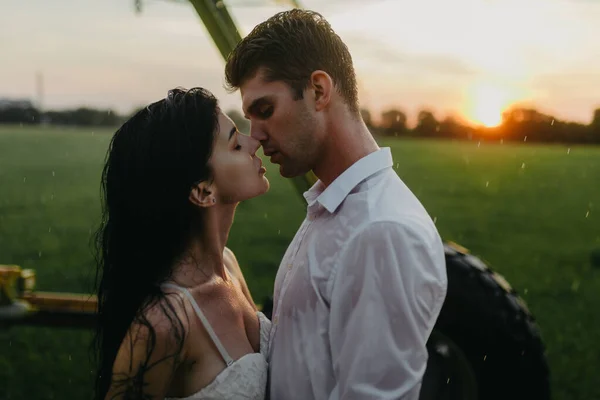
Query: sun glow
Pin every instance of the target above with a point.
(486, 102)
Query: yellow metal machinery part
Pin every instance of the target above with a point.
(20, 304)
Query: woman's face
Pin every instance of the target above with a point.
(238, 173)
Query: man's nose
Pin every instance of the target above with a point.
(257, 132)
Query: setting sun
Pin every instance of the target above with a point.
(486, 102)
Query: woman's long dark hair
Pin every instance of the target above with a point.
(152, 163)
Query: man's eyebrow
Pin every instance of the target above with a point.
(231, 133)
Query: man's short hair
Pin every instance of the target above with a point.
(290, 46)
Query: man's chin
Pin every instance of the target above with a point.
(288, 172)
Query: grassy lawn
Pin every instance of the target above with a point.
(533, 212)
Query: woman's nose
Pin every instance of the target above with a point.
(253, 145)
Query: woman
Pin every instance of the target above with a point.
(176, 319)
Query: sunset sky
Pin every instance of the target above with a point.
(472, 57)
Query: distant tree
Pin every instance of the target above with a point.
(393, 122)
(427, 124)
(366, 116)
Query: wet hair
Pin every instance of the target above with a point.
(290, 46)
(152, 162)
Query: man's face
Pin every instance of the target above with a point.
(287, 129)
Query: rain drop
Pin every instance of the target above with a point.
(525, 139)
(266, 216)
(39, 254)
(448, 381)
(525, 291)
(434, 220)
(397, 165)
(279, 232)
(587, 214)
(49, 229)
(484, 357)
(501, 141)
(479, 144)
(487, 184)
(24, 179)
(53, 173)
(552, 123)
(69, 357)
(52, 196)
(568, 150)
(523, 166)
(575, 285)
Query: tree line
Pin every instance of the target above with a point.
(518, 124)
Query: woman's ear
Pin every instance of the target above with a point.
(203, 195)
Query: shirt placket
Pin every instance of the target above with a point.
(289, 263)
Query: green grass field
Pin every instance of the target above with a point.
(532, 212)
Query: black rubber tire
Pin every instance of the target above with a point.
(493, 327)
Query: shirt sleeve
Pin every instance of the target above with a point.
(387, 290)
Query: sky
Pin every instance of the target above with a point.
(471, 58)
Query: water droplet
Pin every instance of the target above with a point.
(448, 381)
(523, 166)
(484, 357)
(587, 214)
(434, 220)
(568, 150)
(49, 229)
(397, 165)
(24, 179)
(552, 123)
(487, 184)
(53, 173)
(525, 139)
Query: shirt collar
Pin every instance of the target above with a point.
(332, 196)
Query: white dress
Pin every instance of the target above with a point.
(244, 378)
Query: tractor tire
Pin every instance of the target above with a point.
(492, 326)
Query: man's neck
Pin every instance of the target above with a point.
(346, 142)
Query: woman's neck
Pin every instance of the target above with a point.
(203, 258)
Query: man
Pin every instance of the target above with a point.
(363, 281)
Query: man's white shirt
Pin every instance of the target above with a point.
(358, 291)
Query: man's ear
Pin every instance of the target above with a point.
(322, 86)
(203, 195)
